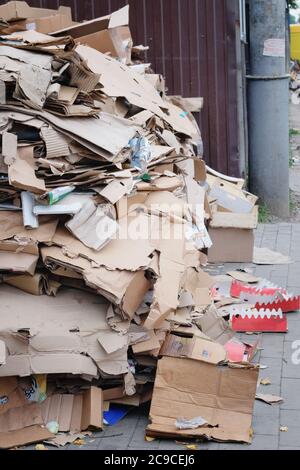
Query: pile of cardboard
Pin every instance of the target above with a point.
(105, 204)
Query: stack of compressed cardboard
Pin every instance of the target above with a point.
(102, 240)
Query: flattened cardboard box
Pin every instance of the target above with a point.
(224, 397)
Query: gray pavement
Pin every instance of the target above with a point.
(277, 352)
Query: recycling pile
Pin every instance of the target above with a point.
(104, 209)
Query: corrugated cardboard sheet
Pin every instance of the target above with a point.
(222, 396)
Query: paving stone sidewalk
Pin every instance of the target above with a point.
(276, 354)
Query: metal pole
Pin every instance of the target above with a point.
(268, 105)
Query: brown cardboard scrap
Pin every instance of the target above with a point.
(120, 81)
(31, 284)
(116, 190)
(148, 345)
(244, 277)
(179, 120)
(92, 226)
(113, 393)
(31, 72)
(171, 140)
(21, 172)
(202, 297)
(56, 143)
(195, 348)
(61, 440)
(17, 257)
(112, 342)
(163, 183)
(38, 284)
(196, 278)
(193, 105)
(12, 226)
(20, 417)
(18, 414)
(136, 400)
(166, 292)
(181, 317)
(200, 170)
(28, 435)
(165, 203)
(129, 251)
(215, 327)
(75, 413)
(9, 148)
(218, 394)
(269, 399)
(264, 256)
(109, 34)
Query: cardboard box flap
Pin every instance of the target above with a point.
(119, 18)
(193, 348)
(20, 418)
(221, 219)
(92, 409)
(148, 345)
(215, 327)
(230, 197)
(219, 395)
(83, 29)
(115, 20)
(112, 342)
(29, 435)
